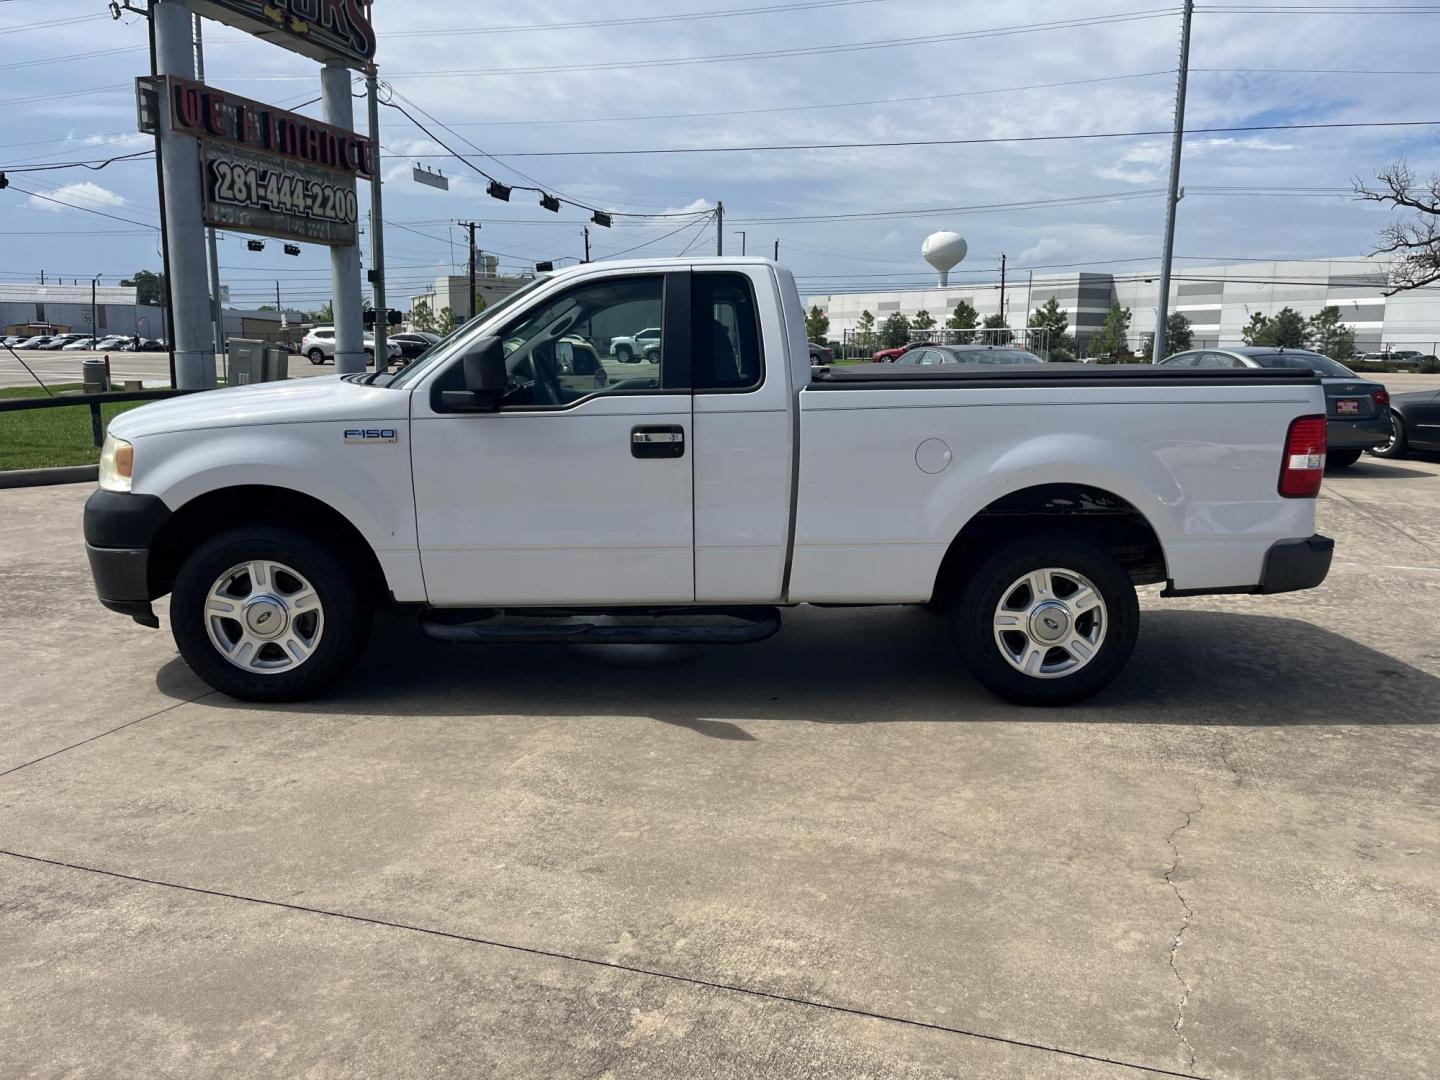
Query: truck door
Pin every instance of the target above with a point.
(568, 494)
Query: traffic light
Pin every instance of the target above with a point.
(550, 202)
(369, 318)
(394, 317)
(292, 249)
(4, 183)
(497, 190)
(599, 217)
(255, 245)
(544, 267)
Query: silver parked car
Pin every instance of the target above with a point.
(1357, 409)
(935, 355)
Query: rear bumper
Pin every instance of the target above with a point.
(1290, 565)
(1358, 434)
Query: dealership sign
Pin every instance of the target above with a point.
(267, 170)
(320, 29)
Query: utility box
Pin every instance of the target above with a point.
(95, 376)
(277, 363)
(247, 361)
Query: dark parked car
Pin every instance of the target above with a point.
(1358, 409)
(819, 354)
(933, 355)
(1415, 424)
(415, 343)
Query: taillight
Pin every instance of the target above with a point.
(1382, 398)
(1303, 466)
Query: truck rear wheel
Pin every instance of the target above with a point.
(1047, 621)
(268, 614)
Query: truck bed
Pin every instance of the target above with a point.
(952, 376)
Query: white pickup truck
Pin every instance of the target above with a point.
(697, 501)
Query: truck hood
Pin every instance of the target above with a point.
(324, 398)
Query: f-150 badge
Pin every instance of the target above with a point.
(371, 435)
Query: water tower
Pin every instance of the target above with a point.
(943, 250)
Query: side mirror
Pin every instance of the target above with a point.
(486, 379)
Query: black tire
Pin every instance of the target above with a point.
(625, 354)
(653, 356)
(1341, 459)
(345, 604)
(973, 620)
(317, 357)
(369, 357)
(1399, 442)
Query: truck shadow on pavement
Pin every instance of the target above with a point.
(1368, 468)
(887, 665)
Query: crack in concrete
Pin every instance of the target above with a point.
(1179, 938)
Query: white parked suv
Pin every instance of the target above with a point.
(319, 346)
(503, 499)
(629, 349)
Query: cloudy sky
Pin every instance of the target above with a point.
(648, 77)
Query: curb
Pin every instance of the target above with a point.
(74, 474)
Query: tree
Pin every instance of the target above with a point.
(149, 287)
(422, 318)
(1286, 330)
(817, 324)
(964, 317)
(865, 329)
(447, 320)
(1327, 334)
(1416, 243)
(1002, 335)
(1053, 318)
(325, 313)
(894, 331)
(1179, 336)
(1255, 329)
(1114, 336)
(923, 320)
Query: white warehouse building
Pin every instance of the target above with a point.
(1217, 299)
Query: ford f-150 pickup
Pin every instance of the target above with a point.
(694, 502)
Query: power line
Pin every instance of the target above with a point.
(77, 206)
(777, 9)
(809, 50)
(958, 142)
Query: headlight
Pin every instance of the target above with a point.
(117, 463)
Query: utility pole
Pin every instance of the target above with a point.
(719, 228)
(94, 311)
(217, 313)
(377, 236)
(1002, 290)
(587, 243)
(470, 227)
(346, 304)
(741, 233)
(777, 250)
(183, 204)
(278, 308)
(1162, 308)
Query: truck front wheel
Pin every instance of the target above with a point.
(268, 614)
(1047, 621)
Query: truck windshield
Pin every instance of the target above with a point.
(415, 370)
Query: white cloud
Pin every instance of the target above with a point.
(1126, 176)
(84, 193)
(1046, 248)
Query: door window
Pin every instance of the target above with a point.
(554, 355)
(725, 336)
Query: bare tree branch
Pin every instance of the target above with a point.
(1417, 242)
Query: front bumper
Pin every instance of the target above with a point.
(1358, 434)
(1290, 565)
(120, 529)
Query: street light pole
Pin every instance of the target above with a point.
(1162, 312)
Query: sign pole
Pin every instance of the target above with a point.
(345, 304)
(194, 344)
(377, 234)
(217, 311)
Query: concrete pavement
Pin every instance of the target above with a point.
(828, 855)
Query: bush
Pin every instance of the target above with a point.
(1429, 365)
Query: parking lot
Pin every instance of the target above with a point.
(828, 855)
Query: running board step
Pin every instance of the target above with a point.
(615, 626)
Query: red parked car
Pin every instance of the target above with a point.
(889, 356)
